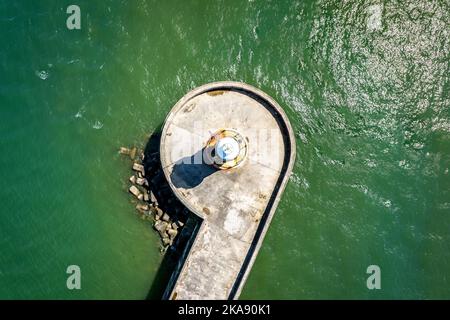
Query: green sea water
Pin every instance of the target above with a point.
(365, 85)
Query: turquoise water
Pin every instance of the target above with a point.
(364, 83)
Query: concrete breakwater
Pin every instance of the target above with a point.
(227, 209)
(235, 204)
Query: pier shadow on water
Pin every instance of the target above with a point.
(168, 202)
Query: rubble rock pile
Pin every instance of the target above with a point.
(154, 198)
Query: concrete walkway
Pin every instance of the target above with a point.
(237, 205)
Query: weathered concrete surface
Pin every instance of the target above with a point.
(236, 205)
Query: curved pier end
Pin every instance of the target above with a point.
(236, 205)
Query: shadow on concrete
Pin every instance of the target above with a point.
(189, 172)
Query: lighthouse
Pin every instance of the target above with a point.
(226, 149)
